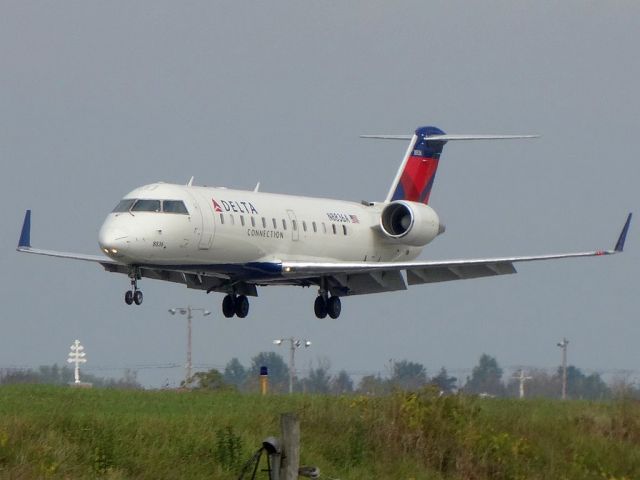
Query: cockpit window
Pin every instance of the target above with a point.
(146, 206)
(174, 206)
(124, 205)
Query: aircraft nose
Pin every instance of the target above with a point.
(112, 240)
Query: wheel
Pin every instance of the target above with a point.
(137, 297)
(128, 297)
(229, 306)
(320, 307)
(334, 307)
(242, 306)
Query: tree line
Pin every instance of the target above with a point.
(56, 375)
(487, 378)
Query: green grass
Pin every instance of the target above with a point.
(58, 432)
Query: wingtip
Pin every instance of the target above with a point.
(623, 234)
(25, 234)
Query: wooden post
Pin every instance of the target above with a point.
(290, 428)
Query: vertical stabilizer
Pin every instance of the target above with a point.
(417, 172)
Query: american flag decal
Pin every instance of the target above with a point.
(354, 219)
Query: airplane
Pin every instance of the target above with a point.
(234, 241)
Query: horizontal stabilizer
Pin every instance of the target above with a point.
(447, 138)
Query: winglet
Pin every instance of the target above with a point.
(623, 235)
(25, 235)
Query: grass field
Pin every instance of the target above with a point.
(58, 432)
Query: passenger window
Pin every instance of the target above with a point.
(344, 229)
(146, 206)
(333, 226)
(124, 205)
(284, 224)
(253, 222)
(233, 220)
(174, 206)
(222, 218)
(242, 220)
(294, 225)
(304, 225)
(264, 222)
(324, 228)
(315, 227)
(275, 225)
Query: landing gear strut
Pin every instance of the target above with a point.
(134, 295)
(235, 305)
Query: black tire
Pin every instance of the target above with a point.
(229, 306)
(320, 307)
(138, 297)
(242, 306)
(334, 307)
(128, 297)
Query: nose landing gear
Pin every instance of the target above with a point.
(134, 295)
(235, 305)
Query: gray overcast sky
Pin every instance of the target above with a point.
(97, 98)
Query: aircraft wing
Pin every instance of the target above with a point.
(192, 276)
(353, 278)
(24, 245)
(342, 278)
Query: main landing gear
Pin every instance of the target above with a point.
(235, 305)
(134, 295)
(325, 305)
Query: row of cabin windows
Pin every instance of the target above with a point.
(294, 224)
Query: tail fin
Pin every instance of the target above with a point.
(417, 172)
(415, 176)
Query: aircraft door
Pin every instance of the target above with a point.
(204, 228)
(295, 228)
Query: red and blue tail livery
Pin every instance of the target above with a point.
(419, 167)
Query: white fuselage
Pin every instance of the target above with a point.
(224, 226)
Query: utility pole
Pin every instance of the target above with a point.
(292, 365)
(563, 345)
(188, 311)
(522, 379)
(294, 343)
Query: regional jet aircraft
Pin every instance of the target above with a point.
(233, 241)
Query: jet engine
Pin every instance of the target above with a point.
(410, 223)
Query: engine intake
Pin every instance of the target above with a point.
(410, 223)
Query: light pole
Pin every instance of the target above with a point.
(188, 311)
(294, 343)
(563, 345)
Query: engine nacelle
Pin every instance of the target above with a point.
(410, 223)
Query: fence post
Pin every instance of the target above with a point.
(290, 462)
